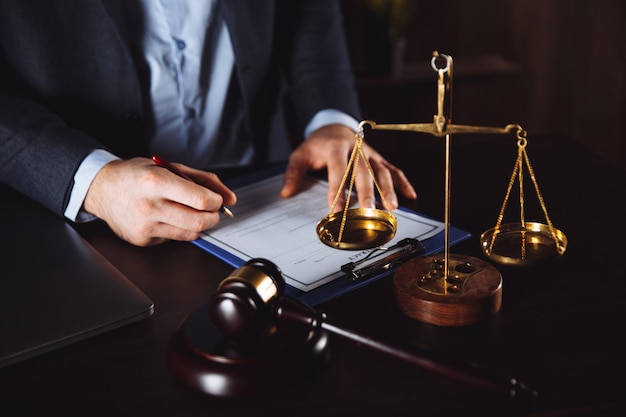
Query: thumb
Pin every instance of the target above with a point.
(291, 179)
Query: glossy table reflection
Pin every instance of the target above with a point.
(560, 325)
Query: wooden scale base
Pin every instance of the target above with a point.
(471, 291)
(200, 357)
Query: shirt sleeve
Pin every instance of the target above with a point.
(83, 177)
(328, 117)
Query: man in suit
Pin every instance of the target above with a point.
(88, 90)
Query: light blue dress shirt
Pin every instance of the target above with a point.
(189, 53)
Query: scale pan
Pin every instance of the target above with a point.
(517, 244)
(364, 228)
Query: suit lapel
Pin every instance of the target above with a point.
(118, 11)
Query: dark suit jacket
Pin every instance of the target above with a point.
(71, 80)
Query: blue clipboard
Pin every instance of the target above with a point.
(381, 264)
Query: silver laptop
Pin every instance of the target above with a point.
(55, 288)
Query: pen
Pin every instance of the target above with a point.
(170, 167)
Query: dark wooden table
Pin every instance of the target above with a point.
(560, 326)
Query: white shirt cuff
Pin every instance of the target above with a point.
(83, 177)
(329, 117)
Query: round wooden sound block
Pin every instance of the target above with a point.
(200, 357)
(470, 292)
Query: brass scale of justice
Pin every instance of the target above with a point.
(445, 289)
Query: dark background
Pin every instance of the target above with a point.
(552, 66)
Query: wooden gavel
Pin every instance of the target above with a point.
(250, 299)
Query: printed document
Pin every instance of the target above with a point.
(284, 231)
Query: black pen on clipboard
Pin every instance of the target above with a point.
(172, 168)
(382, 259)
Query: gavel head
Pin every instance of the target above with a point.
(241, 306)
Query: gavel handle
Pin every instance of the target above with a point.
(294, 311)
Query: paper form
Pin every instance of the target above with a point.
(284, 231)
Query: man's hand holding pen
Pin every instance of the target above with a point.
(146, 204)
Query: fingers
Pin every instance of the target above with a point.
(211, 181)
(337, 165)
(146, 204)
(365, 187)
(204, 193)
(331, 147)
(328, 147)
(387, 176)
(390, 178)
(401, 182)
(293, 176)
(183, 222)
(385, 182)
